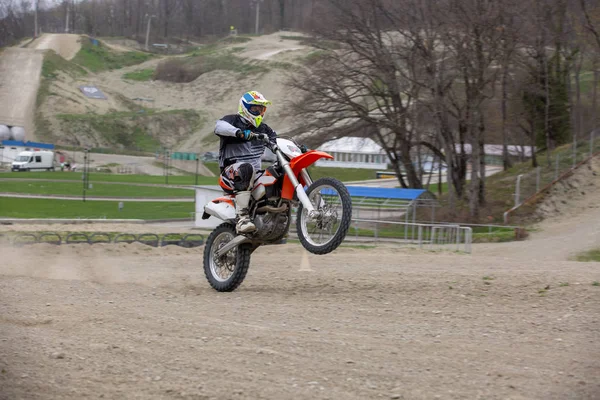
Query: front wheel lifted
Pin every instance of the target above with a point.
(227, 272)
(324, 231)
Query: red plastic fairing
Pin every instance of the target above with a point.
(297, 164)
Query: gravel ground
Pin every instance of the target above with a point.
(509, 321)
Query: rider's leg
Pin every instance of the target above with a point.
(241, 178)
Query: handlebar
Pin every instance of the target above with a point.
(265, 139)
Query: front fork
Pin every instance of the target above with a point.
(297, 185)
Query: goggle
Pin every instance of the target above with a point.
(255, 109)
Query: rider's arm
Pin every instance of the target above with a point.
(224, 128)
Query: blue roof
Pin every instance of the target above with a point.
(27, 144)
(385, 193)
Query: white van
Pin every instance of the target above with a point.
(32, 160)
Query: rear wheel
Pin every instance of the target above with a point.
(227, 272)
(322, 232)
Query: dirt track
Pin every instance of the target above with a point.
(20, 70)
(131, 321)
(138, 322)
(19, 80)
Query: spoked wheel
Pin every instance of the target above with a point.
(227, 272)
(322, 232)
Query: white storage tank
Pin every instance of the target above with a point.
(4, 132)
(18, 133)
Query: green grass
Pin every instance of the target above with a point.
(51, 66)
(293, 37)
(132, 130)
(98, 189)
(204, 60)
(53, 63)
(213, 167)
(591, 255)
(140, 75)
(102, 177)
(44, 208)
(100, 58)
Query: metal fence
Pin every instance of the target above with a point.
(551, 168)
(428, 236)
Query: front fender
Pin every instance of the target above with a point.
(298, 164)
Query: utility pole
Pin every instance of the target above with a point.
(67, 21)
(148, 29)
(35, 19)
(197, 161)
(257, 16)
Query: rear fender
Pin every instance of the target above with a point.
(298, 164)
(222, 208)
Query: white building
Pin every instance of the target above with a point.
(353, 152)
(493, 152)
(10, 149)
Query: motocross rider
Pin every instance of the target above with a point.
(240, 153)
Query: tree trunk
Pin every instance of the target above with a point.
(595, 97)
(506, 162)
(481, 128)
(281, 14)
(547, 108)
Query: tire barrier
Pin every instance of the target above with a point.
(50, 238)
(77, 238)
(171, 238)
(125, 238)
(24, 239)
(149, 238)
(99, 238)
(196, 240)
(188, 241)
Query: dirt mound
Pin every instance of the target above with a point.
(223, 87)
(573, 194)
(64, 44)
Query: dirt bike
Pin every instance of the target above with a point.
(324, 211)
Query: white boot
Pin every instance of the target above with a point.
(244, 225)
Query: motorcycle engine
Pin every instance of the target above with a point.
(270, 225)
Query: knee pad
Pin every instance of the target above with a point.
(244, 177)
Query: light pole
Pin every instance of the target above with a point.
(35, 19)
(257, 14)
(148, 29)
(67, 18)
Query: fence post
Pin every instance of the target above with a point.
(457, 238)
(468, 239)
(592, 141)
(420, 236)
(537, 179)
(518, 190)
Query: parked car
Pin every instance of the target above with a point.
(34, 160)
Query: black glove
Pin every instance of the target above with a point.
(303, 148)
(246, 134)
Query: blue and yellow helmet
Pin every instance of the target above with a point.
(253, 106)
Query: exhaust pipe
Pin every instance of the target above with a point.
(272, 209)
